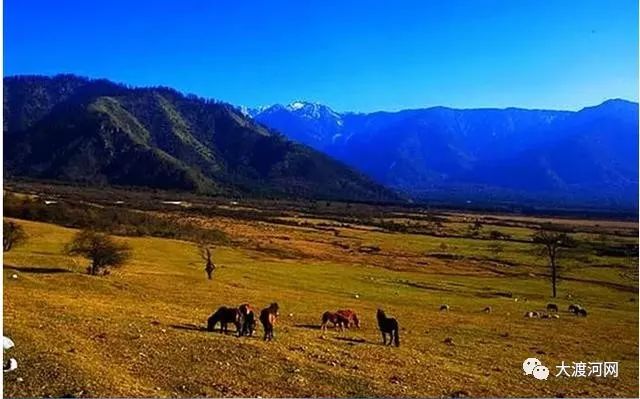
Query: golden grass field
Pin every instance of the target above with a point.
(138, 332)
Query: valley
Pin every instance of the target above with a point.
(415, 199)
(139, 331)
(97, 132)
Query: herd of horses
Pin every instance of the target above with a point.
(552, 312)
(244, 320)
(243, 317)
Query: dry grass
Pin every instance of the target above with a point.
(138, 332)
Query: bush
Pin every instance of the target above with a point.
(498, 235)
(108, 219)
(496, 247)
(103, 251)
(13, 234)
(474, 228)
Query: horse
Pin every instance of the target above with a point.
(268, 317)
(338, 320)
(249, 324)
(388, 325)
(552, 307)
(225, 315)
(351, 316)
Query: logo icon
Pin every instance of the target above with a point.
(530, 364)
(535, 368)
(541, 372)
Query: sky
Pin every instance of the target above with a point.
(351, 55)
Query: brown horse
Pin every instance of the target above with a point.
(338, 320)
(249, 322)
(351, 316)
(225, 315)
(268, 317)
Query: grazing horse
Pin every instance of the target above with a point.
(268, 317)
(552, 307)
(388, 325)
(351, 316)
(225, 315)
(338, 320)
(249, 322)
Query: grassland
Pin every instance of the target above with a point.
(139, 331)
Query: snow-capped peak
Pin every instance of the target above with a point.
(296, 105)
(312, 110)
(246, 111)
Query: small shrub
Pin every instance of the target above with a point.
(108, 219)
(13, 234)
(498, 235)
(102, 250)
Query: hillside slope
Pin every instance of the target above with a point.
(97, 132)
(139, 332)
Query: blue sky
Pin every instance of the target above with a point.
(360, 56)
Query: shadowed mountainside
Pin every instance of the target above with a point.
(588, 156)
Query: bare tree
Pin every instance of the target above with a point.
(102, 250)
(205, 251)
(12, 234)
(550, 243)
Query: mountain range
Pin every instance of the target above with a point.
(98, 132)
(565, 158)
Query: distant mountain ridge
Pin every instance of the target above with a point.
(582, 156)
(98, 132)
(75, 129)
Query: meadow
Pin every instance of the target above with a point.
(139, 332)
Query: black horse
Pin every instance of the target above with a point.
(224, 316)
(388, 325)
